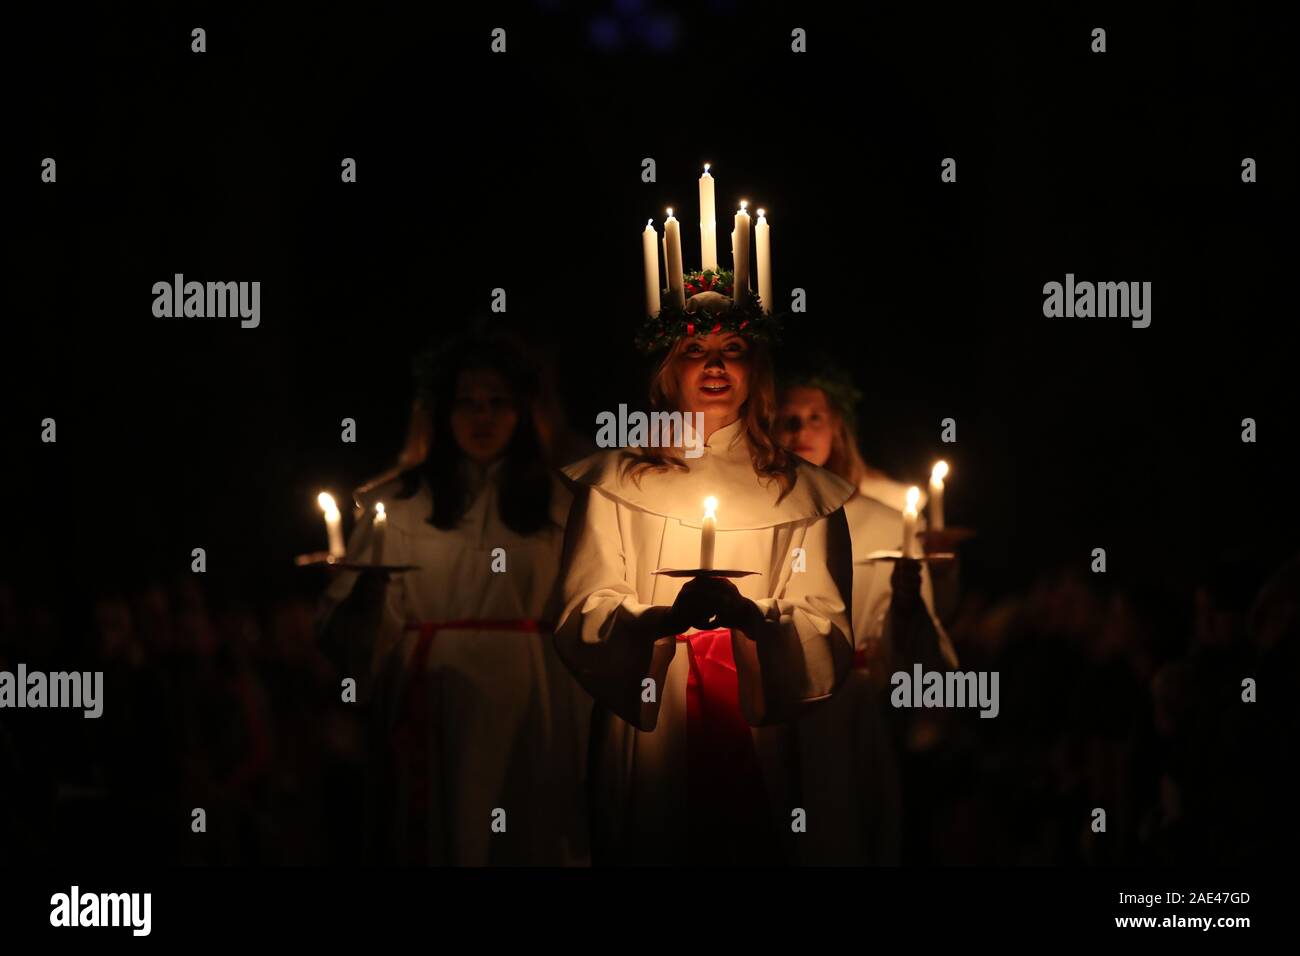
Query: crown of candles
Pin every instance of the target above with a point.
(718, 300)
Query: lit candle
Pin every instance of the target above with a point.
(333, 523)
(909, 521)
(673, 236)
(708, 223)
(650, 250)
(740, 253)
(937, 475)
(764, 253)
(708, 532)
(381, 527)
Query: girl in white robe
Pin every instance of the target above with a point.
(846, 752)
(689, 675)
(481, 732)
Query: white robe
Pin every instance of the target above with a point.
(618, 535)
(510, 724)
(847, 759)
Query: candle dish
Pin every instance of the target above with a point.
(703, 573)
(323, 559)
(934, 557)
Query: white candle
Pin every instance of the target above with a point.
(333, 523)
(909, 522)
(708, 533)
(764, 252)
(664, 243)
(740, 253)
(673, 236)
(381, 529)
(937, 474)
(650, 251)
(708, 223)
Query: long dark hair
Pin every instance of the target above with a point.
(524, 498)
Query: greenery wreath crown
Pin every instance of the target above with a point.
(820, 371)
(709, 308)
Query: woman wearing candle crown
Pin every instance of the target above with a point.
(688, 673)
(480, 730)
(846, 750)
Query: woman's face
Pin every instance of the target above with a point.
(805, 424)
(713, 375)
(483, 414)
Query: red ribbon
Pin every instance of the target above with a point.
(429, 628)
(729, 816)
(416, 721)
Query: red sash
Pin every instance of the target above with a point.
(416, 722)
(729, 815)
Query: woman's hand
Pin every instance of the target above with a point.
(906, 585)
(707, 602)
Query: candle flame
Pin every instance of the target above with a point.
(327, 505)
(913, 496)
(649, 223)
(761, 214)
(743, 204)
(670, 212)
(706, 167)
(710, 506)
(939, 472)
(379, 510)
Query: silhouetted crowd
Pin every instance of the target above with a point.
(1113, 697)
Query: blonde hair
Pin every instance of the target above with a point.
(771, 461)
(845, 459)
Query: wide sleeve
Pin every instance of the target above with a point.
(606, 636)
(355, 633)
(803, 648)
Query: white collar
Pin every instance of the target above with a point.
(728, 437)
(724, 471)
(890, 492)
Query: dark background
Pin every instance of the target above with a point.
(523, 171)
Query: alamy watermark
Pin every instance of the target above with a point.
(1086, 300)
(208, 300)
(76, 690)
(102, 909)
(651, 430)
(923, 688)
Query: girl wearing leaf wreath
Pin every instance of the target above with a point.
(691, 675)
(847, 751)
